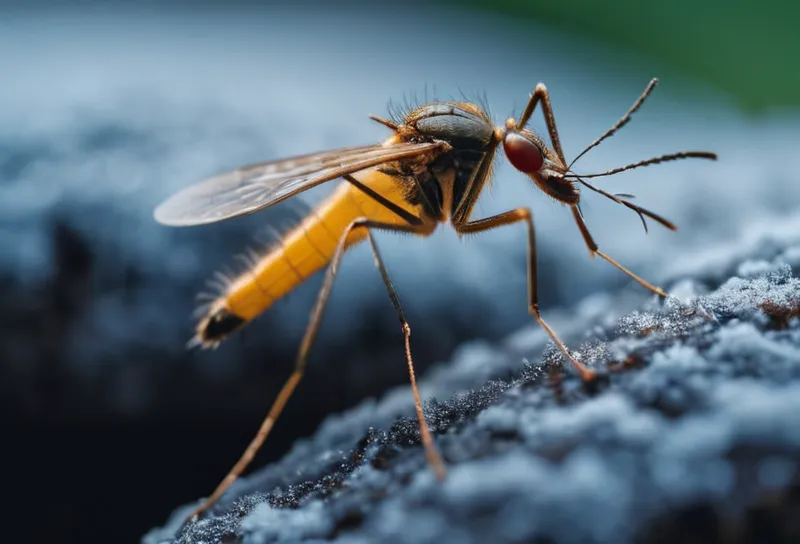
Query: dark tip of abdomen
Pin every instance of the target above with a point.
(219, 324)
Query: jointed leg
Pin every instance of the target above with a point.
(540, 93)
(515, 216)
(593, 249)
(431, 454)
(305, 346)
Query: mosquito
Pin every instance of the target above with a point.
(430, 170)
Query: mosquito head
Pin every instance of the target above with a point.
(528, 153)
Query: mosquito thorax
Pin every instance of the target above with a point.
(463, 125)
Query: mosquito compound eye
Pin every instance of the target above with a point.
(522, 153)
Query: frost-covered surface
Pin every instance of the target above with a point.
(691, 434)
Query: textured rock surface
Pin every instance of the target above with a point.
(103, 112)
(692, 435)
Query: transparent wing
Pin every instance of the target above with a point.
(253, 188)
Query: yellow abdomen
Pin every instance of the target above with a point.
(304, 250)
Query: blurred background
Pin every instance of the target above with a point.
(107, 108)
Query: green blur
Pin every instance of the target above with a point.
(750, 50)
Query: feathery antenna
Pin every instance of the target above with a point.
(622, 122)
(642, 212)
(648, 162)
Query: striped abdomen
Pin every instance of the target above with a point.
(304, 250)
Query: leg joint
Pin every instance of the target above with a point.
(524, 213)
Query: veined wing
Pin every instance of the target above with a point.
(253, 188)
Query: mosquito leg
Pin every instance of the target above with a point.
(515, 216)
(593, 250)
(305, 346)
(431, 454)
(403, 214)
(540, 93)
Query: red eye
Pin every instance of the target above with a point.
(523, 154)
